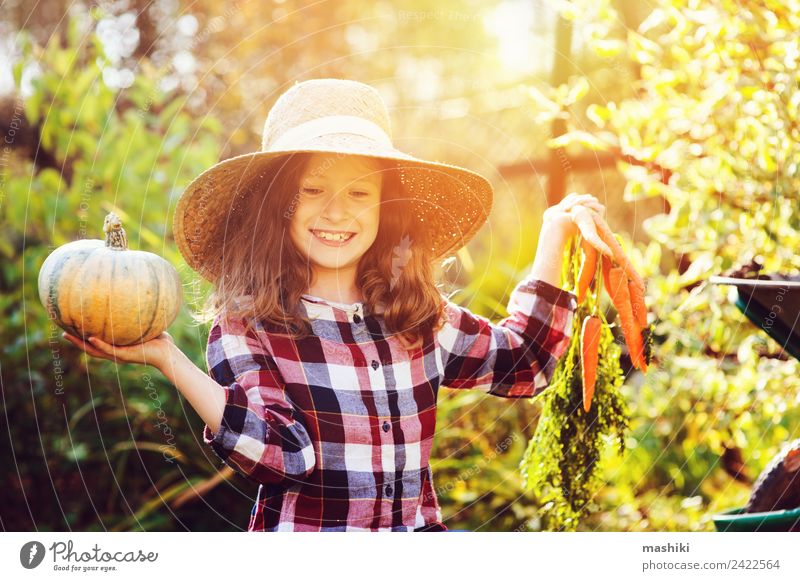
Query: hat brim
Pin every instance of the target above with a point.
(453, 202)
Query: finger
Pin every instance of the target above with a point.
(107, 348)
(572, 199)
(100, 344)
(84, 346)
(594, 204)
(583, 208)
(569, 203)
(77, 341)
(166, 337)
(584, 199)
(586, 225)
(589, 233)
(121, 353)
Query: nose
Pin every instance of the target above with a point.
(336, 208)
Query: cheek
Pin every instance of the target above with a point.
(294, 226)
(298, 232)
(300, 218)
(372, 221)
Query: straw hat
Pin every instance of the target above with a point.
(335, 116)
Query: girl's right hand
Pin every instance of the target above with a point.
(577, 213)
(153, 352)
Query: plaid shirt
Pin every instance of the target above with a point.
(337, 428)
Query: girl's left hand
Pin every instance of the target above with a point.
(577, 213)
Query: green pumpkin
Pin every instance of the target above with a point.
(103, 289)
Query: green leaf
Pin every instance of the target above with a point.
(577, 91)
(167, 115)
(598, 114)
(212, 124)
(542, 101)
(702, 266)
(607, 48)
(656, 18)
(17, 69)
(643, 50)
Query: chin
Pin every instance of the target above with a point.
(333, 262)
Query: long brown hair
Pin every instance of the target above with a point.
(259, 260)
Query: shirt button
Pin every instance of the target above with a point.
(356, 319)
(388, 490)
(375, 364)
(386, 426)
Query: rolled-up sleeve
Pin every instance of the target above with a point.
(515, 357)
(261, 435)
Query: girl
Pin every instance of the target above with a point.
(329, 337)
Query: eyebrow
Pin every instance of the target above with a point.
(364, 183)
(360, 182)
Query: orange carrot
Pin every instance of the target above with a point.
(590, 341)
(620, 296)
(588, 268)
(606, 266)
(638, 304)
(619, 254)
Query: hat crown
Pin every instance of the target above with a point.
(322, 98)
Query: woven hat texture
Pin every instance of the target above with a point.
(334, 116)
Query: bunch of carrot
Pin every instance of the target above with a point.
(626, 289)
(563, 458)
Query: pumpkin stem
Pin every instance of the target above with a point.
(115, 233)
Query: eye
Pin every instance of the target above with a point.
(311, 191)
(361, 194)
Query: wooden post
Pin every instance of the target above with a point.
(562, 69)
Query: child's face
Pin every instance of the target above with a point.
(337, 194)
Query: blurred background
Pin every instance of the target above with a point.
(681, 116)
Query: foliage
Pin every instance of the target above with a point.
(562, 459)
(709, 129)
(98, 446)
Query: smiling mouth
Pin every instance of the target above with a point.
(332, 236)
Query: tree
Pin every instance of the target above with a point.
(710, 129)
(90, 447)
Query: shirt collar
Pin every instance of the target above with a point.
(319, 308)
(349, 307)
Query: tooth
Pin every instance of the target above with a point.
(336, 237)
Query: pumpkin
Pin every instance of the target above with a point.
(103, 289)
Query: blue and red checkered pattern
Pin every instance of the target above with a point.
(337, 428)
